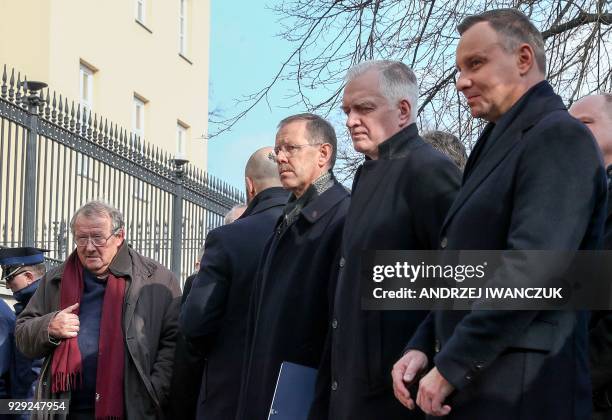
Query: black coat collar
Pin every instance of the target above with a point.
(268, 198)
(505, 135)
(399, 144)
(325, 202)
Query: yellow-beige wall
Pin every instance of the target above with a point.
(48, 39)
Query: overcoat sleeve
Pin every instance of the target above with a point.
(32, 327)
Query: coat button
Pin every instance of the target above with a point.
(342, 262)
(443, 243)
(334, 323)
(478, 365)
(468, 377)
(334, 385)
(437, 346)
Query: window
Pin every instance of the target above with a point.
(141, 10)
(86, 75)
(183, 18)
(138, 117)
(181, 140)
(82, 166)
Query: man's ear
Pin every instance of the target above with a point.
(525, 59)
(405, 112)
(325, 155)
(250, 188)
(30, 276)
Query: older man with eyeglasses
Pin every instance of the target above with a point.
(288, 315)
(105, 321)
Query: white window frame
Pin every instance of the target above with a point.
(181, 140)
(182, 29)
(138, 114)
(83, 168)
(86, 75)
(141, 11)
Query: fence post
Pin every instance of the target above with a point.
(177, 218)
(32, 102)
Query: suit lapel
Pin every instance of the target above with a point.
(488, 161)
(530, 109)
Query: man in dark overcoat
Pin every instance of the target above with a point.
(399, 199)
(595, 111)
(214, 315)
(534, 181)
(289, 310)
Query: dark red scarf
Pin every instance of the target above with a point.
(66, 365)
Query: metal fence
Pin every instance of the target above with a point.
(55, 156)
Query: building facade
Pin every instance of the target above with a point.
(140, 63)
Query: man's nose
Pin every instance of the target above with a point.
(90, 246)
(281, 157)
(462, 82)
(352, 120)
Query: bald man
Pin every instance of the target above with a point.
(214, 314)
(595, 111)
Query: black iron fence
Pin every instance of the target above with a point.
(55, 156)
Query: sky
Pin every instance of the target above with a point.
(245, 55)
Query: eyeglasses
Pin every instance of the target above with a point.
(97, 240)
(11, 277)
(291, 149)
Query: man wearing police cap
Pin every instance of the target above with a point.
(21, 270)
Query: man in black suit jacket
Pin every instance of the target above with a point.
(595, 111)
(288, 315)
(534, 181)
(400, 196)
(214, 315)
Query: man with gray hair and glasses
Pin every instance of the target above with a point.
(400, 196)
(105, 321)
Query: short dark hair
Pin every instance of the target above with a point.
(318, 129)
(448, 144)
(514, 27)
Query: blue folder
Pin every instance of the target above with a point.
(294, 392)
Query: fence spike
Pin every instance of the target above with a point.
(111, 140)
(54, 109)
(12, 86)
(4, 87)
(96, 133)
(105, 134)
(18, 89)
(47, 105)
(78, 119)
(60, 109)
(89, 130)
(66, 115)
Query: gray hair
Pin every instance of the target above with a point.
(231, 216)
(38, 269)
(317, 129)
(449, 145)
(514, 28)
(99, 208)
(397, 80)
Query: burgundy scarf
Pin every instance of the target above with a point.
(66, 365)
